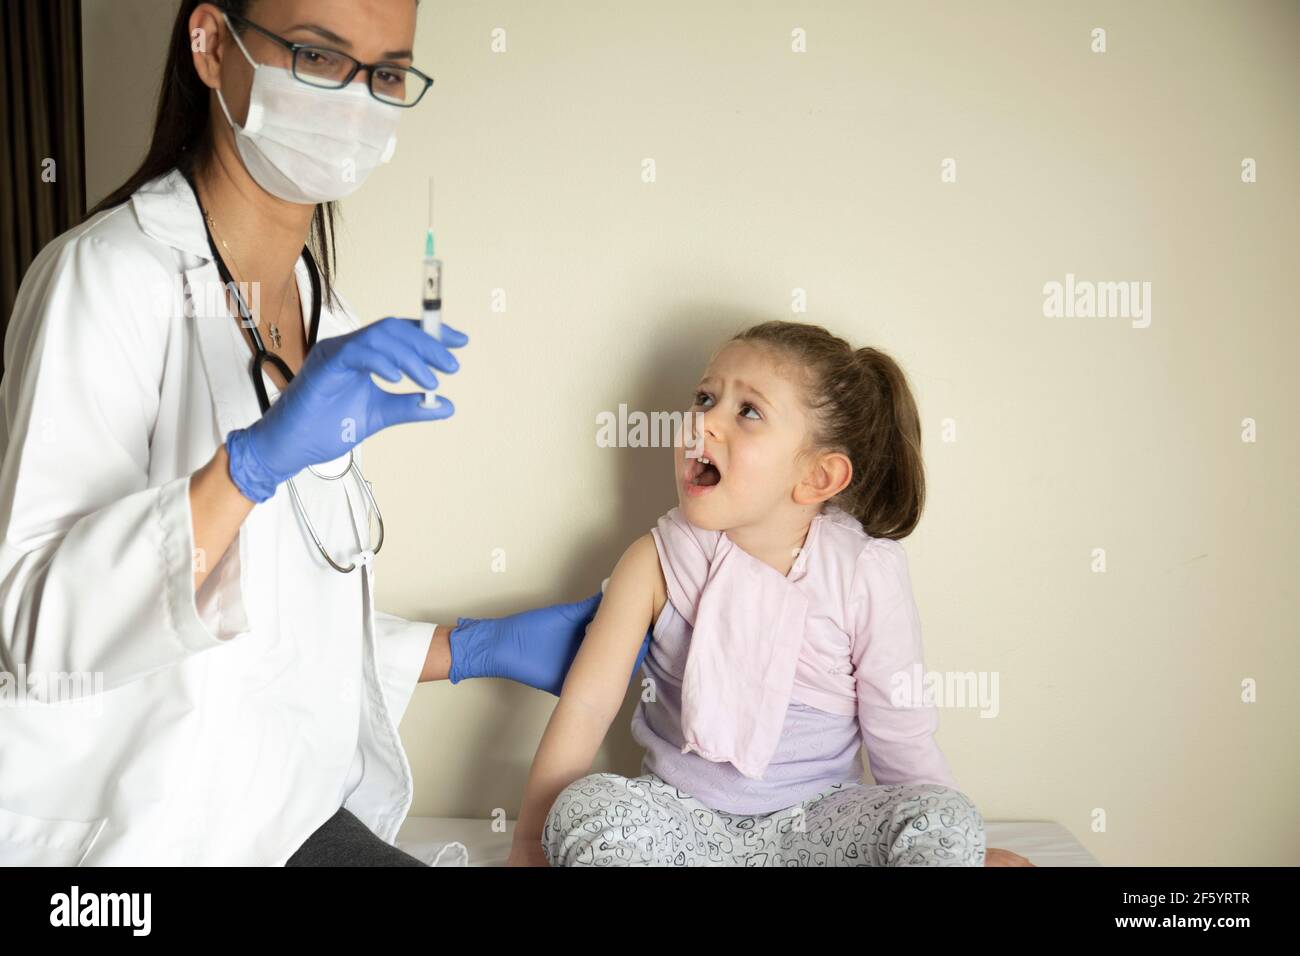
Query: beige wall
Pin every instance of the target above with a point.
(124, 47)
(1119, 692)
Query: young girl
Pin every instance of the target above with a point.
(784, 633)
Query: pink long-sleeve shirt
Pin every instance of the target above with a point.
(860, 650)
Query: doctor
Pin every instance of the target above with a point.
(192, 668)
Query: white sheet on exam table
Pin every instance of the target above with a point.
(471, 842)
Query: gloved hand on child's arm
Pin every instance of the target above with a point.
(533, 647)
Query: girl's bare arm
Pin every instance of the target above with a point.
(594, 689)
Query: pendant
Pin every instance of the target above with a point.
(275, 336)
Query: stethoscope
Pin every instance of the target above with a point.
(260, 358)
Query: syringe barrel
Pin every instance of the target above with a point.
(431, 298)
(431, 309)
(432, 284)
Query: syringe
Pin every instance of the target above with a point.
(431, 292)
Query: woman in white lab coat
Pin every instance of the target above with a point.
(184, 675)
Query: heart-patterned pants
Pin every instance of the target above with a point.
(604, 819)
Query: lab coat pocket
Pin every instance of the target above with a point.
(39, 841)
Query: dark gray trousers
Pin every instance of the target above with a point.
(343, 840)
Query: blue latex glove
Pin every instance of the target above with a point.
(332, 404)
(534, 647)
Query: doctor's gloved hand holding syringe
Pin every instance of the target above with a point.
(332, 404)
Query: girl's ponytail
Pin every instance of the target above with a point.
(890, 498)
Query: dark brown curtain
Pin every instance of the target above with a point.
(42, 161)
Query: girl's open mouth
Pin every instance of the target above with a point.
(701, 475)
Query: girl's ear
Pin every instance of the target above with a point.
(828, 474)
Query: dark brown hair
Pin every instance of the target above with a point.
(182, 139)
(861, 406)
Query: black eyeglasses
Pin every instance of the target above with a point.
(332, 70)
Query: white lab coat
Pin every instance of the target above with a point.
(227, 725)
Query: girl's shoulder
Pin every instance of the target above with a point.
(844, 533)
(844, 543)
(641, 565)
(881, 581)
(840, 528)
(862, 569)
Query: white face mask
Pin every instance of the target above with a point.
(306, 144)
